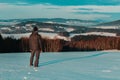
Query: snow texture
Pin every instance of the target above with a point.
(107, 27)
(96, 33)
(44, 35)
(18, 36)
(102, 65)
(55, 35)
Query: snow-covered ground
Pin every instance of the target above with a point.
(44, 35)
(46, 29)
(100, 33)
(96, 33)
(107, 27)
(17, 36)
(56, 36)
(99, 65)
(69, 29)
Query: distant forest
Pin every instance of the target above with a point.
(77, 43)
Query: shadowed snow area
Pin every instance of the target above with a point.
(101, 65)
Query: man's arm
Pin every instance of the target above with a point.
(30, 45)
(40, 42)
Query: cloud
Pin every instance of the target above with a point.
(52, 11)
(65, 2)
(21, 3)
(95, 8)
(85, 9)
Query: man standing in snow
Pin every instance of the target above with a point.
(35, 44)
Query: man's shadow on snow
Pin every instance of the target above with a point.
(69, 59)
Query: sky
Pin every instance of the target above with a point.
(107, 10)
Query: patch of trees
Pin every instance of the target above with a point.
(9, 45)
(48, 45)
(94, 42)
(77, 43)
(66, 34)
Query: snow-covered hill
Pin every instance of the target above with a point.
(107, 27)
(100, 33)
(17, 36)
(112, 23)
(52, 20)
(99, 65)
(44, 35)
(56, 36)
(95, 33)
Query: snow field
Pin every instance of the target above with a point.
(94, 65)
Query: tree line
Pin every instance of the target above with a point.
(77, 43)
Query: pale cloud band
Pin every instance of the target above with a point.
(8, 11)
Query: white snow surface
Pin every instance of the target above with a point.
(46, 29)
(55, 35)
(18, 36)
(6, 28)
(69, 29)
(44, 35)
(107, 27)
(96, 33)
(98, 65)
(62, 37)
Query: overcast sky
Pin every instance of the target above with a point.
(76, 9)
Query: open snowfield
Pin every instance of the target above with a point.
(101, 65)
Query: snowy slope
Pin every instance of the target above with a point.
(56, 36)
(17, 36)
(96, 33)
(107, 27)
(44, 35)
(62, 66)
